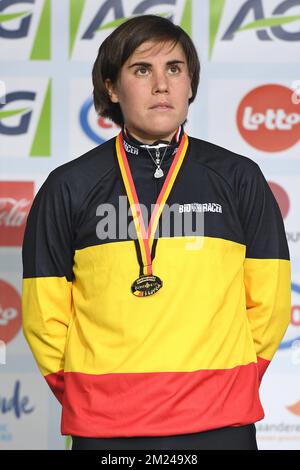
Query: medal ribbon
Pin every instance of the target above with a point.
(146, 239)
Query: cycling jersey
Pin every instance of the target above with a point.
(188, 358)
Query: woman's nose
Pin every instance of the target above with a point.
(160, 82)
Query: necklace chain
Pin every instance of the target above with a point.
(158, 172)
(157, 161)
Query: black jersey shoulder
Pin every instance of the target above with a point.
(258, 210)
(221, 160)
(235, 170)
(90, 165)
(76, 178)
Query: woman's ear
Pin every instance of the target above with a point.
(111, 89)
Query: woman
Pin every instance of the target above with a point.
(148, 341)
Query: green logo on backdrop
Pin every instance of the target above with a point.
(41, 145)
(260, 25)
(41, 142)
(41, 43)
(77, 7)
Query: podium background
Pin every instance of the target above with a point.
(248, 101)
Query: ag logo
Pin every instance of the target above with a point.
(25, 118)
(259, 21)
(25, 29)
(91, 21)
(268, 119)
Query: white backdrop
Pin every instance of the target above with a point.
(247, 102)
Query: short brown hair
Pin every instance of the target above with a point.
(122, 42)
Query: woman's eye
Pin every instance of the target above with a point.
(142, 71)
(174, 69)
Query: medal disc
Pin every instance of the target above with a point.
(146, 285)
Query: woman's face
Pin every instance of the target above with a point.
(153, 91)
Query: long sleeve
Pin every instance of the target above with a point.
(267, 270)
(47, 256)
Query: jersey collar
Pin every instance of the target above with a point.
(135, 147)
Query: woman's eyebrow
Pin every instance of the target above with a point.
(147, 64)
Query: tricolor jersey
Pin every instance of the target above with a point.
(189, 358)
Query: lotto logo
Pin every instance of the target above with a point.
(269, 119)
(272, 119)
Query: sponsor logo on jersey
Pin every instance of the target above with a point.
(203, 207)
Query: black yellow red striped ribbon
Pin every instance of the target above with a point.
(146, 238)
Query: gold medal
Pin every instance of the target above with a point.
(147, 283)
